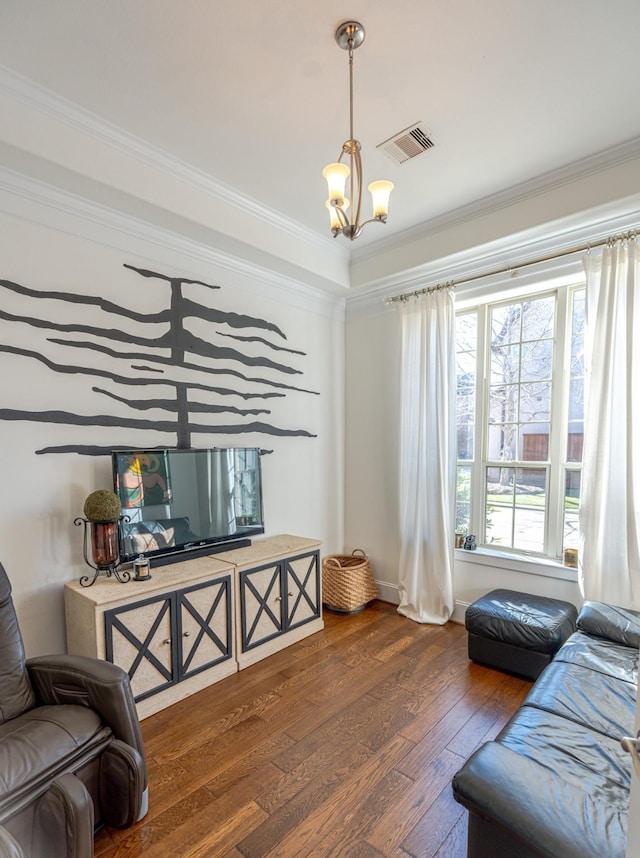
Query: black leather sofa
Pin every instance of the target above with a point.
(555, 783)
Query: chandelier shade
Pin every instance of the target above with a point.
(380, 192)
(336, 176)
(349, 36)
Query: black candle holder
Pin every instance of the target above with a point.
(105, 549)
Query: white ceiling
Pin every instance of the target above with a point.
(255, 92)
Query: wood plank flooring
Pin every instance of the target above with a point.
(341, 745)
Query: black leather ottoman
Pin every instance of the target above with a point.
(518, 632)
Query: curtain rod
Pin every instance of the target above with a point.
(513, 269)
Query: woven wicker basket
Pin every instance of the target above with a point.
(347, 582)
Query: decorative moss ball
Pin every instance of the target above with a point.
(102, 505)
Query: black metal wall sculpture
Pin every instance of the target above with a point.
(175, 357)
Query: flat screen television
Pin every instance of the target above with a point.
(178, 504)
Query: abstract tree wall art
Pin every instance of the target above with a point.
(184, 359)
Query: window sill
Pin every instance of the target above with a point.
(517, 562)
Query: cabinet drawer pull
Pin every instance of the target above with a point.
(167, 641)
(290, 594)
(278, 598)
(187, 634)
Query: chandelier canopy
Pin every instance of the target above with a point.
(345, 218)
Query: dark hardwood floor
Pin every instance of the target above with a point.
(341, 745)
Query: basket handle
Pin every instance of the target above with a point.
(358, 551)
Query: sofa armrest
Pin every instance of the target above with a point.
(544, 812)
(84, 681)
(620, 625)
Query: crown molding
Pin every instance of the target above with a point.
(568, 174)
(44, 100)
(76, 215)
(588, 227)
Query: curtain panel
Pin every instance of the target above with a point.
(609, 569)
(427, 456)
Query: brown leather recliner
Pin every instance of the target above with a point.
(71, 750)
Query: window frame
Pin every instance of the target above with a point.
(557, 465)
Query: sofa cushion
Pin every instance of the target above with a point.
(609, 621)
(41, 744)
(603, 656)
(595, 700)
(582, 757)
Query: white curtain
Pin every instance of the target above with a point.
(610, 495)
(427, 457)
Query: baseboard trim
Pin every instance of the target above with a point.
(389, 593)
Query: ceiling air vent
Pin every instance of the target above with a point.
(407, 144)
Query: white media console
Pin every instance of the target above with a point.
(197, 621)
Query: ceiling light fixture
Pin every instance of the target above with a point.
(350, 36)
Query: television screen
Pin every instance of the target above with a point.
(176, 501)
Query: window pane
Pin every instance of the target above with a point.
(537, 318)
(465, 407)
(576, 399)
(529, 530)
(577, 333)
(505, 324)
(535, 401)
(530, 509)
(534, 442)
(503, 403)
(536, 360)
(575, 440)
(531, 488)
(463, 500)
(466, 332)
(466, 369)
(465, 441)
(516, 502)
(571, 508)
(575, 429)
(505, 364)
(499, 506)
(502, 442)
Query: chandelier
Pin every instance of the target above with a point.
(350, 36)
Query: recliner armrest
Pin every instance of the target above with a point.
(548, 814)
(620, 625)
(84, 681)
(64, 820)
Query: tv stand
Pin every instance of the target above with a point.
(199, 551)
(198, 621)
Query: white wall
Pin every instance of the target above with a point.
(372, 452)
(45, 249)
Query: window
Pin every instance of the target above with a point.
(520, 384)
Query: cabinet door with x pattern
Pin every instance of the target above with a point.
(140, 638)
(303, 598)
(204, 626)
(262, 614)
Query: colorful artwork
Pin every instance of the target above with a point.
(146, 481)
